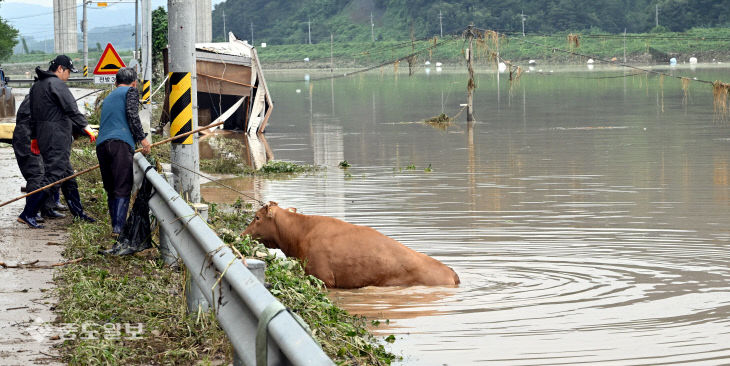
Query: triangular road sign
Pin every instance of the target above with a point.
(109, 63)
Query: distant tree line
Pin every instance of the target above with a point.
(286, 22)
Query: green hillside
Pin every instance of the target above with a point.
(286, 22)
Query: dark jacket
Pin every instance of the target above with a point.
(21, 133)
(31, 165)
(54, 115)
(54, 108)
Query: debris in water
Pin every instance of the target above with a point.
(720, 91)
(441, 118)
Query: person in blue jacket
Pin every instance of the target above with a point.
(119, 132)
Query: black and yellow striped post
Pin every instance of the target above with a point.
(181, 107)
(146, 92)
(86, 71)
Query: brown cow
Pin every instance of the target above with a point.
(344, 255)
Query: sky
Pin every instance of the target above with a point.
(34, 18)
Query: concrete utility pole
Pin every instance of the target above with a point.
(252, 43)
(309, 29)
(203, 21)
(146, 72)
(656, 14)
(185, 156)
(64, 26)
(85, 31)
(136, 54)
(332, 60)
(225, 35)
(522, 13)
(372, 27)
(441, 24)
(183, 98)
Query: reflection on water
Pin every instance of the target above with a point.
(253, 149)
(586, 217)
(392, 303)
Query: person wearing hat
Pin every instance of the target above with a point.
(54, 117)
(120, 130)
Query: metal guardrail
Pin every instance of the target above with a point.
(239, 300)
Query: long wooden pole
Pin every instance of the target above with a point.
(470, 84)
(219, 121)
(97, 165)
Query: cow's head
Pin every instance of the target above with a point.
(263, 226)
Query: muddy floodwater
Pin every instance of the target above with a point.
(587, 212)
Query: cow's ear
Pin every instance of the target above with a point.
(272, 203)
(292, 209)
(270, 212)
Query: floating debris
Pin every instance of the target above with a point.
(441, 118)
(442, 121)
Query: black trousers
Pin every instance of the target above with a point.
(115, 162)
(31, 167)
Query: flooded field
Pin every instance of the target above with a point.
(586, 212)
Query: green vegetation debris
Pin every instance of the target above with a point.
(141, 289)
(441, 118)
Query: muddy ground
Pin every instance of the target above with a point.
(27, 334)
(26, 296)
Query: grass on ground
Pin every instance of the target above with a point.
(141, 289)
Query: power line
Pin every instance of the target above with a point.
(556, 49)
(346, 74)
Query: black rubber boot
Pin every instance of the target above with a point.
(121, 206)
(39, 218)
(73, 200)
(50, 213)
(57, 200)
(32, 204)
(112, 214)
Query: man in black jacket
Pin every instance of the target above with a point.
(31, 166)
(54, 116)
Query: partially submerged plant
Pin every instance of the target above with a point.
(720, 102)
(685, 89)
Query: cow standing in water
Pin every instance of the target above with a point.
(344, 255)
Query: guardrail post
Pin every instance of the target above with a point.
(258, 268)
(193, 294)
(167, 250)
